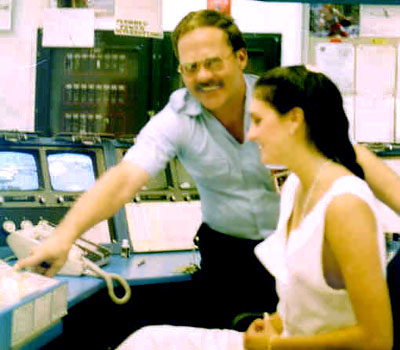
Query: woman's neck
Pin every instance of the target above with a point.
(307, 166)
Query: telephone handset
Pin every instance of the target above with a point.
(85, 257)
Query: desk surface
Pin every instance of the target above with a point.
(139, 269)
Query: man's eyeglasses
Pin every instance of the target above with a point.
(212, 64)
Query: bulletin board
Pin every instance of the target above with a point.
(365, 67)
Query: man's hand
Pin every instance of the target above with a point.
(48, 257)
(259, 334)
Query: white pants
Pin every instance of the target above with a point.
(183, 338)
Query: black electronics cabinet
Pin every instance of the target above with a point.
(116, 86)
(105, 89)
(264, 51)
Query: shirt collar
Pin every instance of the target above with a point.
(250, 81)
(182, 101)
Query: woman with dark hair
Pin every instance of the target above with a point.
(327, 253)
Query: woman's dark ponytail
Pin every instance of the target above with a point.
(322, 103)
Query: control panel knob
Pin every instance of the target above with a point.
(9, 226)
(2, 200)
(184, 185)
(41, 200)
(26, 224)
(60, 199)
(172, 198)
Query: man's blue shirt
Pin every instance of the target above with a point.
(236, 189)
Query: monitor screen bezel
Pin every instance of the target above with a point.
(93, 153)
(120, 152)
(35, 152)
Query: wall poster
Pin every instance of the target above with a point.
(334, 20)
(220, 5)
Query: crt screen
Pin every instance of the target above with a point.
(18, 171)
(71, 172)
(157, 182)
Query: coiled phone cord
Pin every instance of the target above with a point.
(109, 277)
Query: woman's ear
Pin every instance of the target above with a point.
(296, 119)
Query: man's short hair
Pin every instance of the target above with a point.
(209, 18)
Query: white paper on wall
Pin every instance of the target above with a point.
(105, 7)
(68, 27)
(336, 60)
(374, 118)
(138, 18)
(348, 105)
(380, 20)
(375, 69)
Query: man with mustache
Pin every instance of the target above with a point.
(205, 125)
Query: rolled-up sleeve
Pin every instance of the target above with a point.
(157, 142)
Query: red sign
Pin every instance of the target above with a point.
(220, 5)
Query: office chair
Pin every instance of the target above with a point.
(243, 320)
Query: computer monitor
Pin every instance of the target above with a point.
(159, 182)
(19, 171)
(182, 178)
(71, 171)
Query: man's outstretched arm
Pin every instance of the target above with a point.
(384, 182)
(110, 192)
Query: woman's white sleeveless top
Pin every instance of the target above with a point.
(307, 304)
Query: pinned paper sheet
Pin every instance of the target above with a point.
(138, 18)
(376, 69)
(374, 118)
(379, 20)
(163, 226)
(68, 27)
(336, 60)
